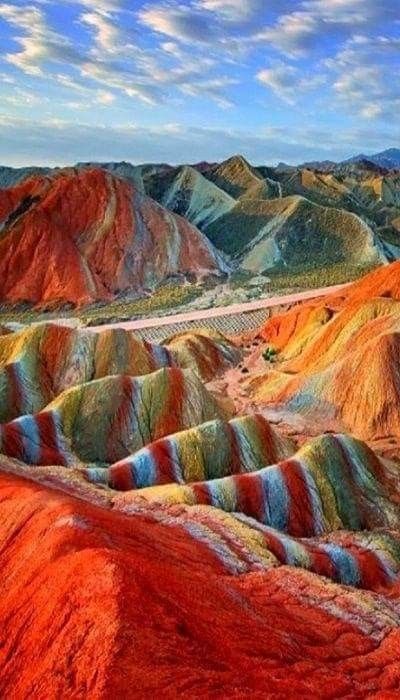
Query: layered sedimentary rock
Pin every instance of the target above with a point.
(81, 578)
(205, 351)
(291, 231)
(172, 527)
(340, 364)
(234, 176)
(107, 419)
(40, 361)
(80, 236)
(334, 482)
(185, 191)
(208, 451)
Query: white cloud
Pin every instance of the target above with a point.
(353, 12)
(104, 97)
(102, 6)
(296, 33)
(106, 31)
(363, 76)
(172, 48)
(287, 81)
(40, 44)
(213, 88)
(179, 22)
(293, 34)
(232, 10)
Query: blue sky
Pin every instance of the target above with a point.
(189, 80)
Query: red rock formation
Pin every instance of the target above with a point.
(97, 604)
(85, 235)
(339, 359)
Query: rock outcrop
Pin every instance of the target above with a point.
(80, 236)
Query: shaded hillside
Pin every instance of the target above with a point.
(293, 231)
(186, 192)
(85, 235)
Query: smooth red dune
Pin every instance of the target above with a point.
(98, 604)
(86, 235)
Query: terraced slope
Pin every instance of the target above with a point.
(86, 235)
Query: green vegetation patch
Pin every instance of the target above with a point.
(284, 280)
(164, 298)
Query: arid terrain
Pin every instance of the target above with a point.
(209, 516)
(199, 350)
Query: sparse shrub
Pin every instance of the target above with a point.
(270, 354)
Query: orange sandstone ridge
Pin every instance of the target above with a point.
(81, 236)
(338, 359)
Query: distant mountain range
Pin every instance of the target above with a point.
(389, 160)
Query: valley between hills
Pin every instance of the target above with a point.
(212, 514)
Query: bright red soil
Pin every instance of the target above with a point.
(97, 604)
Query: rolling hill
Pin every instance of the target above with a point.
(154, 223)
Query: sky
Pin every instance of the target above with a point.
(190, 80)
